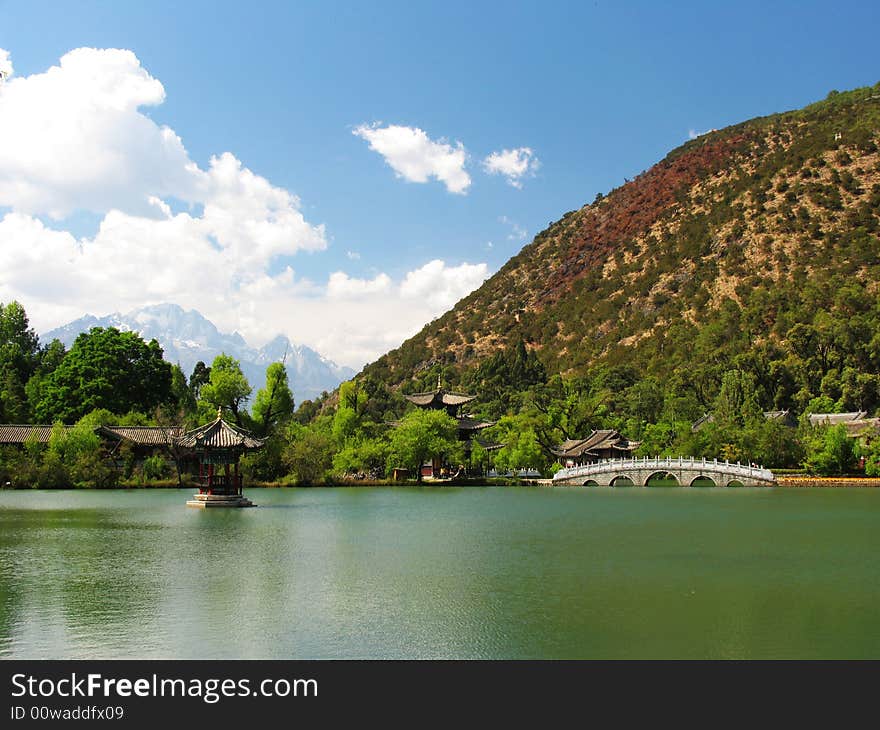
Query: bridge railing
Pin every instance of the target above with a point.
(668, 464)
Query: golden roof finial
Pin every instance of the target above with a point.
(219, 413)
(438, 382)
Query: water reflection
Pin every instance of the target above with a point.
(450, 573)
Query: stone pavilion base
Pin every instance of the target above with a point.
(204, 501)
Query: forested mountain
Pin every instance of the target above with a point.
(186, 337)
(753, 248)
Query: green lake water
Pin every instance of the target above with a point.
(494, 573)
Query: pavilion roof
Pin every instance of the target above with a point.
(489, 445)
(472, 424)
(602, 439)
(447, 398)
(219, 435)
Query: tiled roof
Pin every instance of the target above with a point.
(862, 427)
(22, 433)
(784, 416)
(440, 396)
(471, 424)
(832, 419)
(596, 441)
(143, 435)
(219, 435)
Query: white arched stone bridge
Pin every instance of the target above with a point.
(686, 471)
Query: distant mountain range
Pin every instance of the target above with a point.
(187, 337)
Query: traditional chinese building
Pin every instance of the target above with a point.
(219, 446)
(452, 403)
(599, 445)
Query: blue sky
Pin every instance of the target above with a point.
(595, 91)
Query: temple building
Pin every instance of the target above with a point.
(452, 403)
(598, 446)
(218, 447)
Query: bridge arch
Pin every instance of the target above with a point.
(688, 471)
(661, 476)
(703, 481)
(591, 483)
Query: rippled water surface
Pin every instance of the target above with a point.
(442, 572)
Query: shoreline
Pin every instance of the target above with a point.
(802, 482)
(785, 482)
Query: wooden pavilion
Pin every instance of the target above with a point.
(452, 403)
(598, 446)
(219, 446)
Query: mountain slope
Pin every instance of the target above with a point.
(187, 337)
(715, 252)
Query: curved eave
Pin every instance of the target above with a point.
(220, 435)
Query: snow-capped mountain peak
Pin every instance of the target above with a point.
(186, 337)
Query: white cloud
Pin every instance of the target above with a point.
(416, 157)
(351, 320)
(441, 286)
(372, 316)
(74, 138)
(513, 164)
(219, 256)
(342, 286)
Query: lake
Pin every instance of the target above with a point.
(483, 573)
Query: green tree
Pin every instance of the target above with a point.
(201, 374)
(830, 451)
(19, 345)
(776, 445)
(571, 408)
(50, 359)
(274, 403)
(737, 403)
(349, 412)
(13, 398)
(181, 392)
(109, 369)
(266, 464)
(309, 455)
(19, 359)
(521, 447)
(422, 435)
(507, 373)
(74, 458)
(871, 454)
(227, 386)
(365, 456)
(645, 400)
